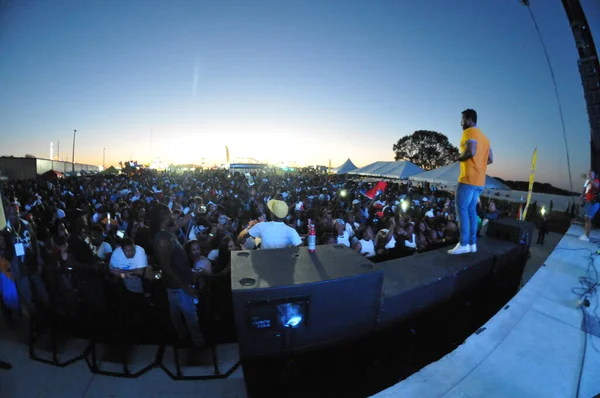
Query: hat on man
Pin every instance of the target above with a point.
(278, 207)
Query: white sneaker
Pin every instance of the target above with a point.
(584, 238)
(460, 249)
(473, 248)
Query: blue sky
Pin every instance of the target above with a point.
(303, 81)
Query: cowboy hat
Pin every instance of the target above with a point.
(278, 207)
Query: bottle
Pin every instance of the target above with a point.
(312, 237)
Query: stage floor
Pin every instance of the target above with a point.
(532, 348)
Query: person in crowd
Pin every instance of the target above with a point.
(492, 213)
(88, 268)
(273, 234)
(592, 203)
(543, 230)
(26, 264)
(200, 263)
(129, 262)
(343, 236)
(476, 155)
(365, 244)
(176, 274)
(103, 248)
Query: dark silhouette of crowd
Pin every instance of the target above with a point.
(93, 246)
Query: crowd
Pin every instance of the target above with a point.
(81, 239)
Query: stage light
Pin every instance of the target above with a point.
(343, 193)
(293, 322)
(404, 205)
(543, 211)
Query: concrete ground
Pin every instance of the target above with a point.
(511, 336)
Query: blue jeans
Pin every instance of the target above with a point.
(591, 209)
(466, 209)
(181, 306)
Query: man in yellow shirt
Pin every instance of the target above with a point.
(474, 158)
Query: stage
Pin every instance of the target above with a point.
(532, 348)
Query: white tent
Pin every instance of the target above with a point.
(344, 168)
(448, 175)
(394, 170)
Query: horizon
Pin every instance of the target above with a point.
(284, 81)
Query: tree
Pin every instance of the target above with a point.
(28, 155)
(427, 149)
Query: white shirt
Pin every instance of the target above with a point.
(104, 249)
(344, 239)
(139, 260)
(275, 235)
(367, 247)
(411, 243)
(349, 230)
(391, 244)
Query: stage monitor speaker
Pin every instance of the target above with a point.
(290, 299)
(515, 231)
(413, 284)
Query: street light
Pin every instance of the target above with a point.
(73, 157)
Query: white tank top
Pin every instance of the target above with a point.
(367, 247)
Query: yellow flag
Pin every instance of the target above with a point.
(531, 179)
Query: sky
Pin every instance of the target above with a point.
(303, 81)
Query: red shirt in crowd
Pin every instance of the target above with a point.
(590, 190)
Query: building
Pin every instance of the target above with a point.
(27, 168)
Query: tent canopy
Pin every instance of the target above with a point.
(52, 175)
(448, 175)
(346, 167)
(395, 170)
(111, 170)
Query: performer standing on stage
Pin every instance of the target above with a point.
(476, 155)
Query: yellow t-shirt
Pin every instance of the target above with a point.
(473, 171)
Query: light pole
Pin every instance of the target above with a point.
(103, 158)
(73, 157)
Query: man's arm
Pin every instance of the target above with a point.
(490, 157)
(470, 151)
(245, 234)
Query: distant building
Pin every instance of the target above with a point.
(27, 168)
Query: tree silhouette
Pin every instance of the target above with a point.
(28, 155)
(427, 149)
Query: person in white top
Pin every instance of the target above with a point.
(343, 236)
(129, 262)
(274, 234)
(365, 245)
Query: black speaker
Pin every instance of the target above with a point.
(290, 299)
(515, 231)
(413, 284)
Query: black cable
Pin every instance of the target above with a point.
(587, 290)
(560, 110)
